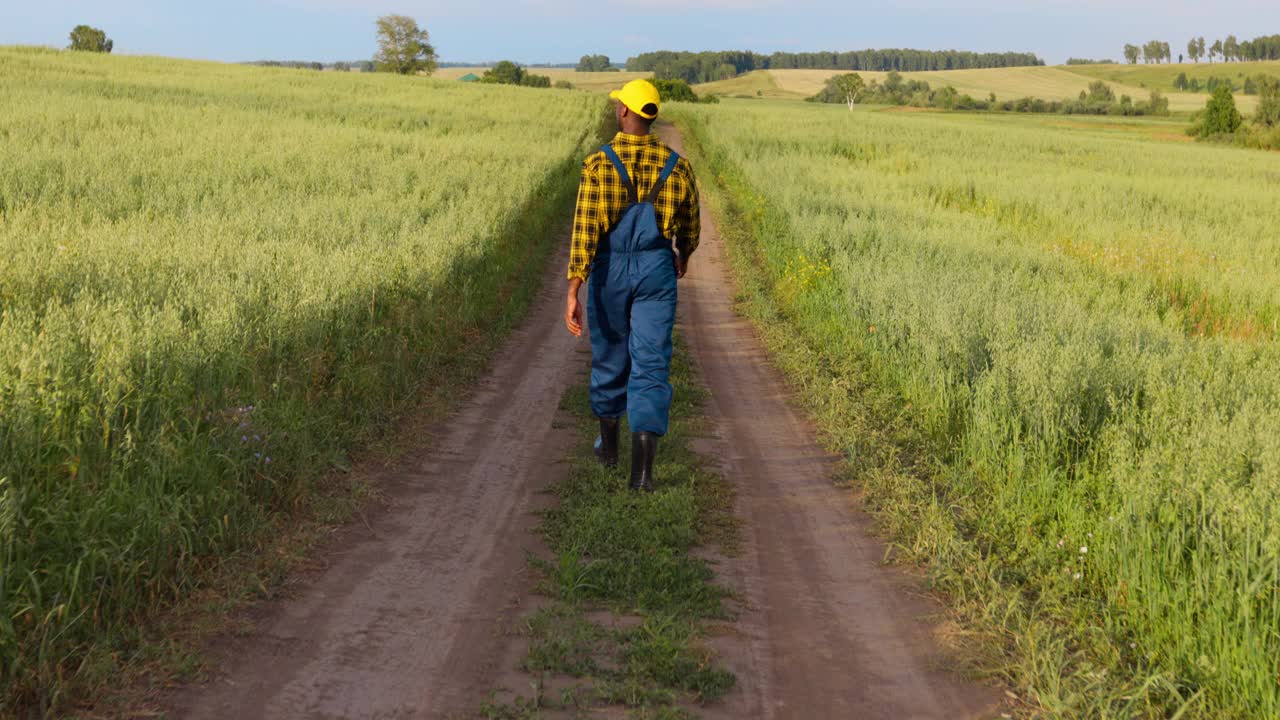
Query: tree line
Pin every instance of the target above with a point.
(1265, 47)
(1099, 99)
(698, 67)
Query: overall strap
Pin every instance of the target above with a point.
(662, 179)
(622, 173)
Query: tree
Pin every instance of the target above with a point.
(1215, 49)
(1158, 104)
(1231, 48)
(1220, 114)
(403, 47)
(1180, 82)
(1131, 53)
(1193, 50)
(1268, 101)
(1100, 92)
(850, 87)
(595, 63)
(504, 73)
(1199, 47)
(90, 39)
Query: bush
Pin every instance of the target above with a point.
(563, 85)
(1268, 102)
(1158, 105)
(1100, 92)
(675, 91)
(1220, 116)
(537, 81)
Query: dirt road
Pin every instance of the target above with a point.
(408, 619)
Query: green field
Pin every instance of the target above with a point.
(1049, 83)
(595, 81)
(1049, 353)
(1162, 76)
(215, 279)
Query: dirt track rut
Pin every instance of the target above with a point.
(409, 618)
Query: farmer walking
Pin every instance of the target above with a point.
(635, 226)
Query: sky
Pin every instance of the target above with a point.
(559, 31)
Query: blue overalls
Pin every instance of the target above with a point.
(631, 310)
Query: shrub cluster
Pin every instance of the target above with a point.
(1248, 86)
(1220, 120)
(509, 73)
(679, 91)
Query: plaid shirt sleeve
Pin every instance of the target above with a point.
(687, 219)
(588, 216)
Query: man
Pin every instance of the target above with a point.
(636, 200)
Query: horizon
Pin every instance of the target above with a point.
(343, 30)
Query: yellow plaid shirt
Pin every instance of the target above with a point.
(602, 197)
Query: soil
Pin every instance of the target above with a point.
(412, 615)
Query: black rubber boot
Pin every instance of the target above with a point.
(608, 450)
(644, 447)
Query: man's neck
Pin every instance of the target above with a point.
(633, 128)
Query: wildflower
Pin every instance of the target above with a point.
(1061, 543)
(1076, 576)
(244, 438)
(268, 460)
(1084, 550)
(257, 455)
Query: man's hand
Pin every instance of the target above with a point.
(573, 309)
(682, 265)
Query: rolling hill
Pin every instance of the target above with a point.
(1050, 83)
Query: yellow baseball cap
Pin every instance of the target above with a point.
(640, 96)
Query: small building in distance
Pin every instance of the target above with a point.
(469, 77)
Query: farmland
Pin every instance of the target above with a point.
(1049, 83)
(1162, 75)
(216, 279)
(594, 81)
(1049, 354)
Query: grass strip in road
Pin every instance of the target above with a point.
(628, 555)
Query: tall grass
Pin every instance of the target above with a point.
(1082, 328)
(213, 281)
